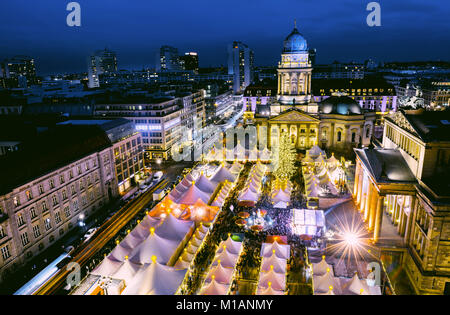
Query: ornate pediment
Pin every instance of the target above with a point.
(400, 120)
(293, 116)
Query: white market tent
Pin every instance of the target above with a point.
(127, 271)
(321, 268)
(248, 195)
(323, 283)
(314, 152)
(269, 291)
(107, 267)
(174, 229)
(154, 245)
(277, 280)
(120, 252)
(275, 263)
(231, 246)
(223, 174)
(281, 251)
(214, 288)
(190, 196)
(227, 259)
(155, 279)
(220, 273)
(205, 185)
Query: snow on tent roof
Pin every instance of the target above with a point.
(107, 267)
(191, 195)
(223, 174)
(127, 271)
(140, 232)
(155, 279)
(281, 250)
(182, 264)
(154, 245)
(332, 160)
(173, 229)
(221, 274)
(319, 269)
(205, 185)
(232, 247)
(214, 288)
(282, 196)
(278, 264)
(278, 280)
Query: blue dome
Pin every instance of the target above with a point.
(295, 42)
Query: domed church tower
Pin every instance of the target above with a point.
(294, 73)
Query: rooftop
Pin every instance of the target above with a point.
(49, 151)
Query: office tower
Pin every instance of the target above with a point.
(101, 62)
(240, 65)
(18, 72)
(168, 59)
(189, 61)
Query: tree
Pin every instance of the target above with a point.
(286, 158)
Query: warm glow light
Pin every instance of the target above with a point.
(351, 238)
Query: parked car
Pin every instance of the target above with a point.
(89, 234)
(157, 176)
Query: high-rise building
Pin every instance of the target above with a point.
(189, 61)
(240, 65)
(18, 71)
(168, 59)
(101, 62)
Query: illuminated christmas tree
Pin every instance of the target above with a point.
(286, 158)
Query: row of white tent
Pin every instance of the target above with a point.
(281, 198)
(190, 189)
(325, 282)
(187, 257)
(315, 183)
(141, 258)
(220, 275)
(238, 153)
(272, 278)
(252, 186)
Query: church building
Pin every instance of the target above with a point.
(338, 122)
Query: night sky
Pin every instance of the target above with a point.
(411, 30)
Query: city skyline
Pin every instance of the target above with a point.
(136, 33)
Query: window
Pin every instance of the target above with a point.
(41, 189)
(44, 206)
(61, 179)
(52, 183)
(67, 212)
(5, 252)
(70, 174)
(24, 239)
(2, 232)
(353, 137)
(36, 231)
(339, 136)
(81, 184)
(79, 170)
(33, 213)
(48, 224)
(54, 200)
(20, 220)
(29, 195)
(57, 217)
(367, 132)
(16, 201)
(64, 194)
(89, 180)
(72, 189)
(75, 205)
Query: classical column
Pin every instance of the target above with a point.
(355, 185)
(279, 84)
(361, 176)
(410, 218)
(373, 209)
(367, 202)
(402, 224)
(395, 213)
(378, 219)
